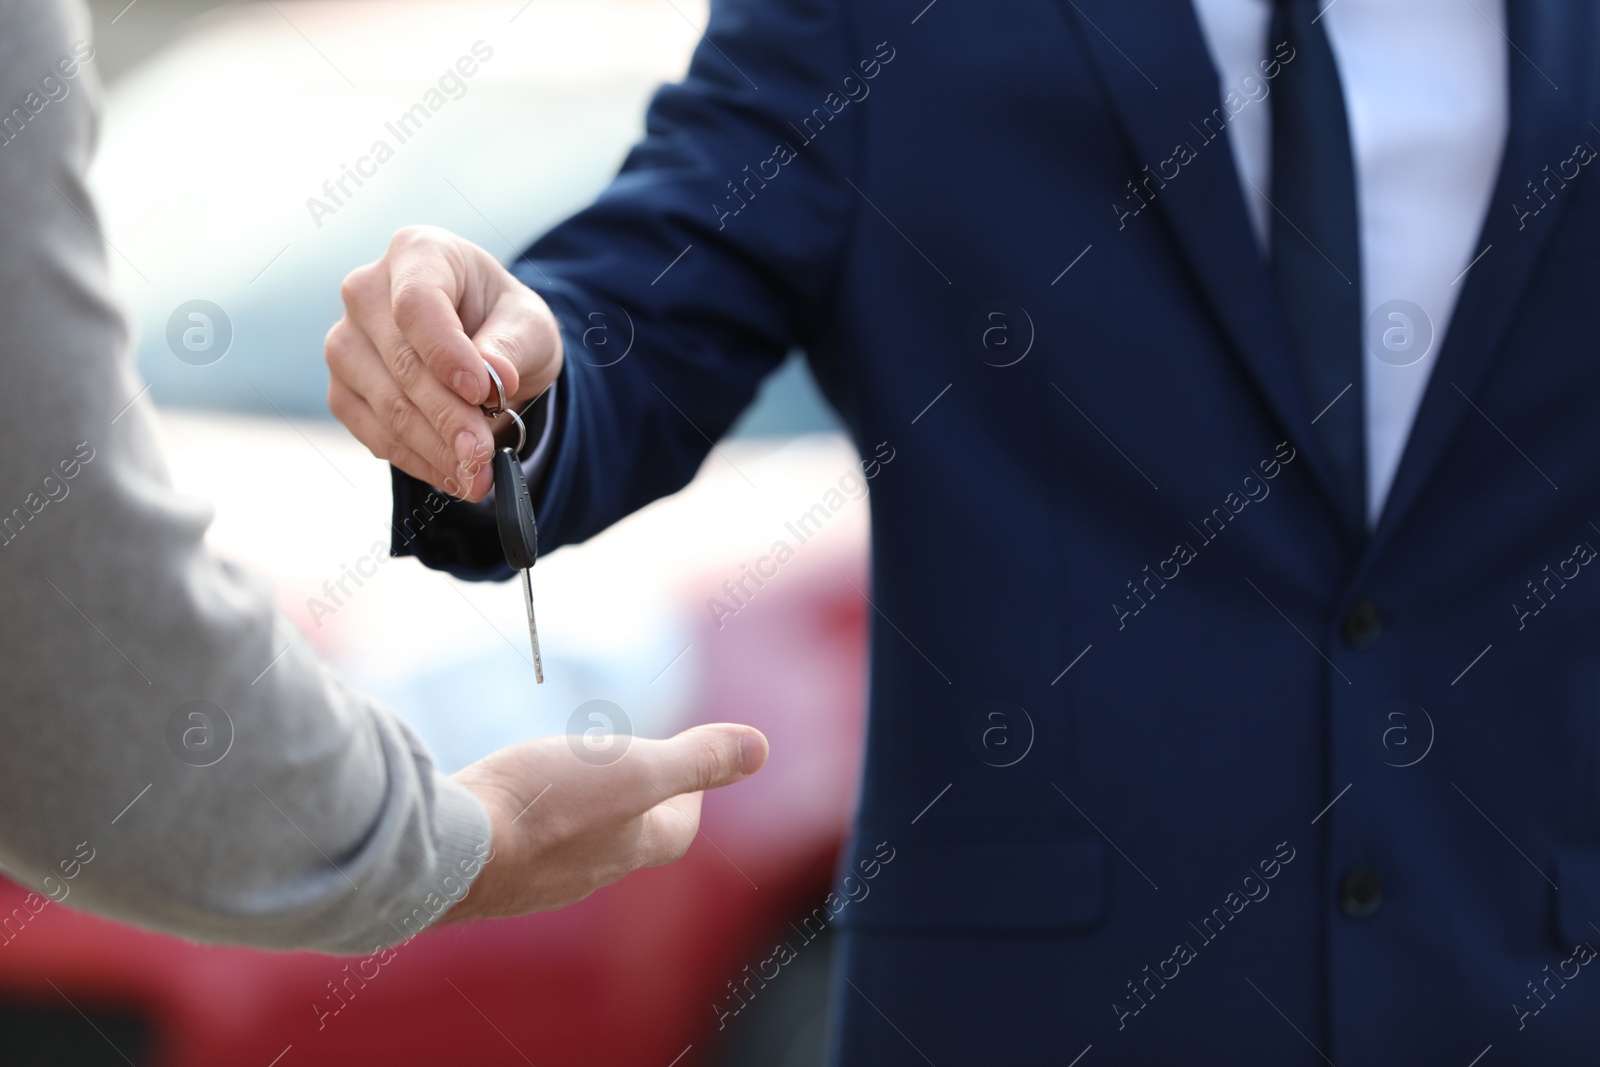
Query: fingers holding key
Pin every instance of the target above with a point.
(431, 291)
(365, 395)
(426, 415)
(420, 325)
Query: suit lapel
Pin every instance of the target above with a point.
(1550, 70)
(1154, 64)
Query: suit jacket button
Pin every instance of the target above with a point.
(1362, 624)
(1361, 893)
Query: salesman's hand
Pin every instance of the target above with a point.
(564, 827)
(407, 358)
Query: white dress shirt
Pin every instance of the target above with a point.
(1426, 93)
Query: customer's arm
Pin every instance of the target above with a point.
(323, 824)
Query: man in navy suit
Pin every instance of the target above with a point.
(1238, 359)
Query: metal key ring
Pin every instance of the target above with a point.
(522, 432)
(500, 392)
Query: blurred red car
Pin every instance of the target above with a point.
(640, 973)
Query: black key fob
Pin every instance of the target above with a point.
(513, 512)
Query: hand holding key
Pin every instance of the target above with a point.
(406, 362)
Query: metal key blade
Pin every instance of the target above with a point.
(533, 627)
(519, 536)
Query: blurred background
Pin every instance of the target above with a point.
(227, 130)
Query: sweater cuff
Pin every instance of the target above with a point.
(462, 842)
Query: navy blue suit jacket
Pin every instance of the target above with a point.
(1123, 477)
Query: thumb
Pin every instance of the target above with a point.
(519, 336)
(707, 757)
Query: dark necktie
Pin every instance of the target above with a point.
(1316, 249)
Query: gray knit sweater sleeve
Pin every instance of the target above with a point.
(149, 770)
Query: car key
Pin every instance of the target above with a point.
(519, 536)
(513, 513)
